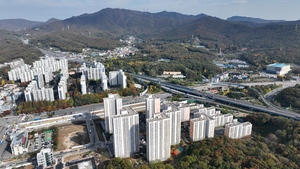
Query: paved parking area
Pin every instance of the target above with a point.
(219, 131)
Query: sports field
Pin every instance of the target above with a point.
(48, 135)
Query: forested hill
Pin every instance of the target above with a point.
(11, 48)
(212, 32)
(69, 40)
(21, 24)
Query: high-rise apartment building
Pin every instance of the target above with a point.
(40, 80)
(112, 107)
(158, 137)
(126, 132)
(185, 111)
(175, 118)
(152, 105)
(45, 158)
(96, 72)
(42, 94)
(211, 111)
(83, 85)
(202, 127)
(61, 92)
(237, 130)
(117, 78)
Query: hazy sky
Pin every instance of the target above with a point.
(42, 10)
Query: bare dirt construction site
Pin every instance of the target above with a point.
(72, 135)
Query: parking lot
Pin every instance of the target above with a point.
(39, 142)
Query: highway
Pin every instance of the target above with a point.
(266, 109)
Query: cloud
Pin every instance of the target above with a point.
(240, 1)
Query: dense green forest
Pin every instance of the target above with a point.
(274, 144)
(193, 63)
(72, 41)
(289, 97)
(11, 48)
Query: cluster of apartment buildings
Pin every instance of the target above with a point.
(36, 91)
(97, 71)
(44, 67)
(163, 125)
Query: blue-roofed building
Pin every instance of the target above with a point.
(278, 68)
(230, 66)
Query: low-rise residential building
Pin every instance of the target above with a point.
(45, 158)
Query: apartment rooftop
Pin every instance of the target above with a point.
(180, 105)
(246, 123)
(45, 150)
(201, 116)
(149, 96)
(158, 117)
(218, 113)
(233, 123)
(126, 111)
(209, 108)
(170, 107)
(113, 96)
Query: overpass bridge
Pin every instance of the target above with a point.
(266, 109)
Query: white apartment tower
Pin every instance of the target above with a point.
(202, 127)
(185, 111)
(175, 117)
(40, 80)
(158, 138)
(112, 107)
(45, 158)
(237, 130)
(61, 92)
(152, 105)
(83, 85)
(117, 78)
(126, 132)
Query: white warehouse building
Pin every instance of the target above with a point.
(277, 68)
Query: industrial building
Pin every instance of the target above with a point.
(112, 107)
(202, 127)
(277, 68)
(152, 105)
(237, 130)
(158, 138)
(175, 117)
(45, 158)
(126, 132)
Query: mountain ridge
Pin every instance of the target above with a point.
(250, 19)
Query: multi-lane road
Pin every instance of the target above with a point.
(225, 99)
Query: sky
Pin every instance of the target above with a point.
(42, 10)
